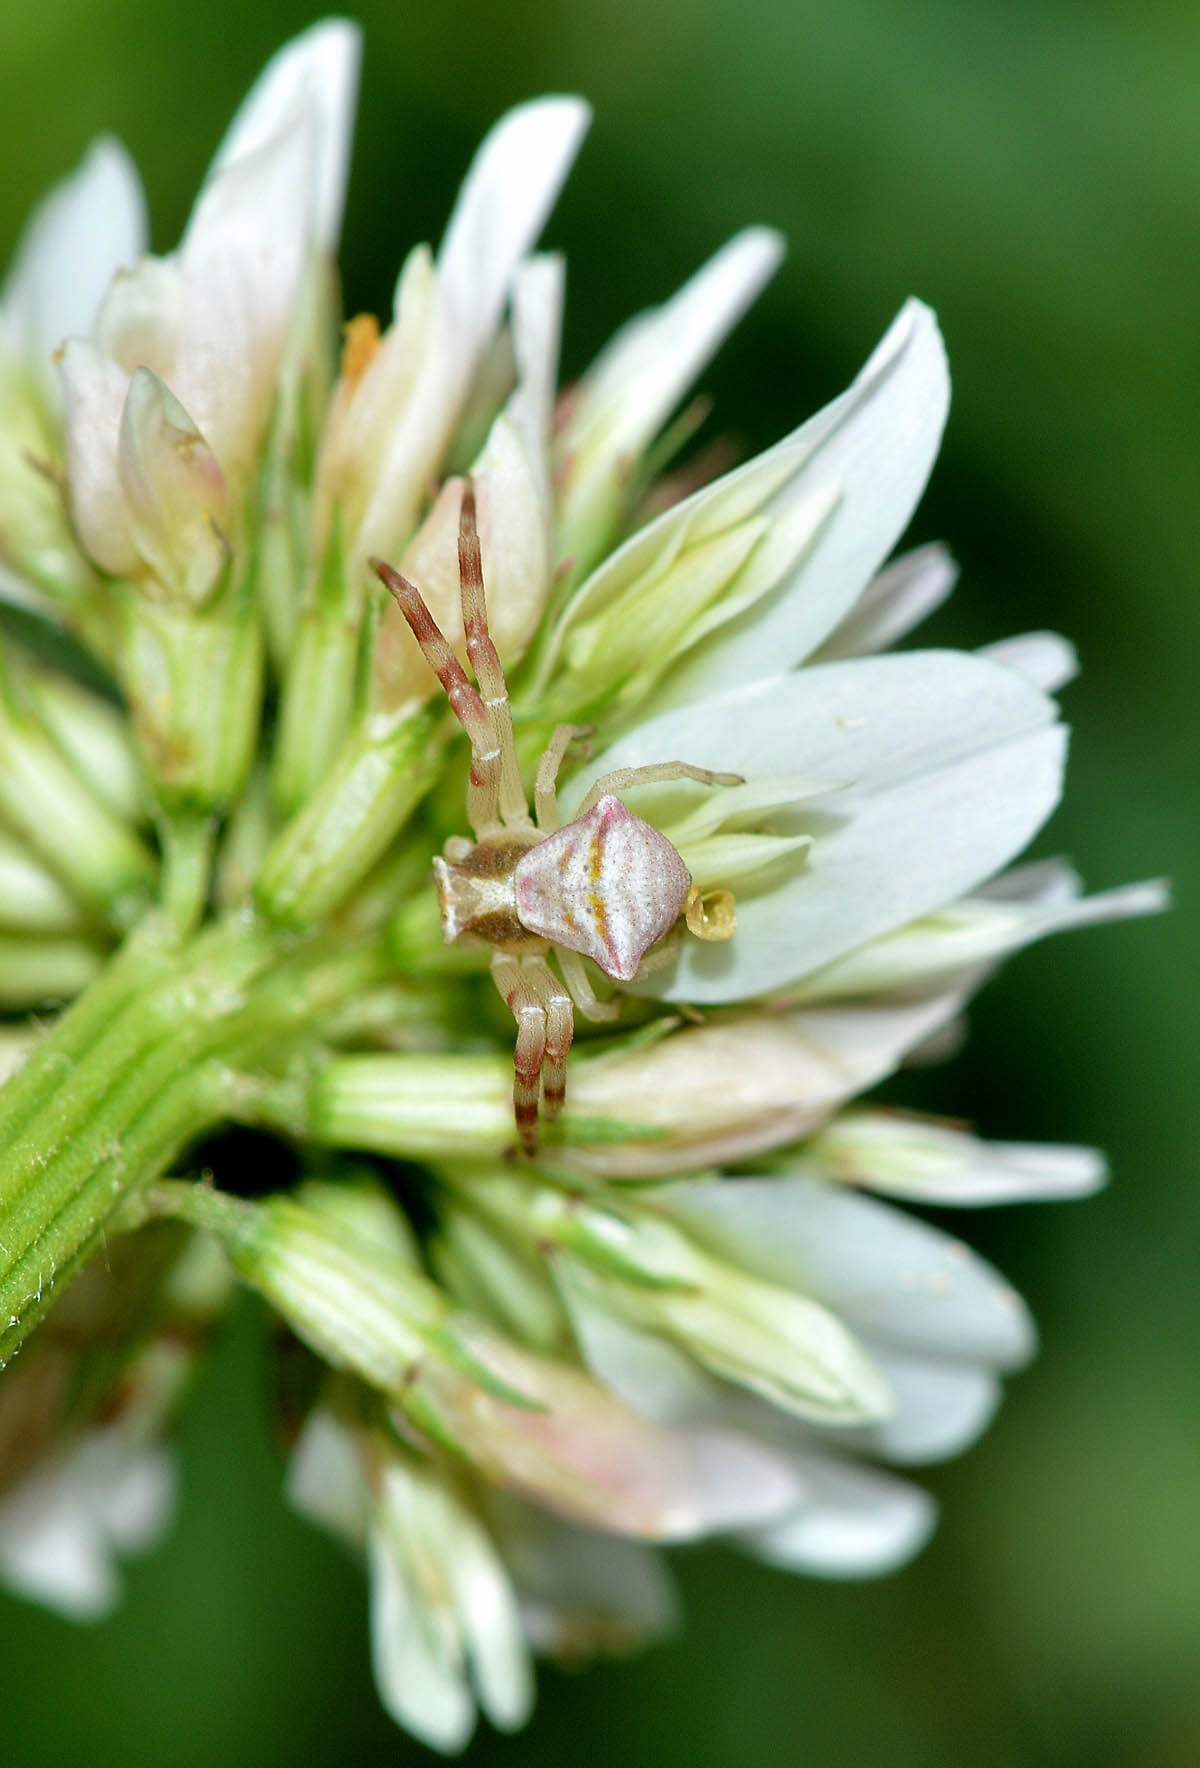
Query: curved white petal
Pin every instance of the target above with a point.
(874, 446)
(635, 383)
(490, 1625)
(537, 305)
(644, 1369)
(895, 1281)
(950, 764)
(940, 1403)
(502, 206)
(1012, 911)
(423, 1688)
(714, 511)
(501, 209)
(242, 261)
(594, 1460)
(727, 1090)
(62, 1527)
(763, 1337)
(316, 72)
(325, 1479)
(174, 489)
(581, 1592)
(90, 226)
(897, 598)
(1046, 659)
(942, 1406)
(852, 1523)
(924, 1161)
(94, 392)
(138, 320)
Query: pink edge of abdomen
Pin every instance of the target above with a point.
(608, 886)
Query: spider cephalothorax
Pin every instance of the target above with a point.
(606, 886)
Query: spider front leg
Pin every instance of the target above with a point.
(545, 789)
(495, 796)
(658, 773)
(545, 1028)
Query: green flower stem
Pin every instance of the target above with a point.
(144, 958)
(147, 1061)
(327, 850)
(86, 1080)
(66, 1238)
(188, 845)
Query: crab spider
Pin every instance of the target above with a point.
(606, 886)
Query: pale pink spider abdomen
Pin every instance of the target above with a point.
(608, 886)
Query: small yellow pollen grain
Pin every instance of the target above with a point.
(360, 341)
(710, 914)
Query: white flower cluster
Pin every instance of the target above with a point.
(620, 1342)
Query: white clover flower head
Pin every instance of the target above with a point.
(764, 861)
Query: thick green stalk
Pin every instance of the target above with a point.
(149, 1059)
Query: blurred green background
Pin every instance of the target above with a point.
(1033, 170)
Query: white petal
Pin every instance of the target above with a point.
(490, 1625)
(135, 1498)
(1044, 658)
(927, 1162)
(537, 327)
(653, 1376)
(316, 72)
(52, 1550)
(94, 391)
(874, 445)
(594, 1460)
(419, 1686)
(502, 206)
(951, 765)
(138, 320)
(242, 261)
(90, 226)
(174, 489)
(581, 1592)
(942, 1406)
(763, 1337)
(1011, 912)
(325, 1480)
(636, 383)
(895, 1281)
(897, 598)
(853, 1523)
(61, 1527)
(724, 1091)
